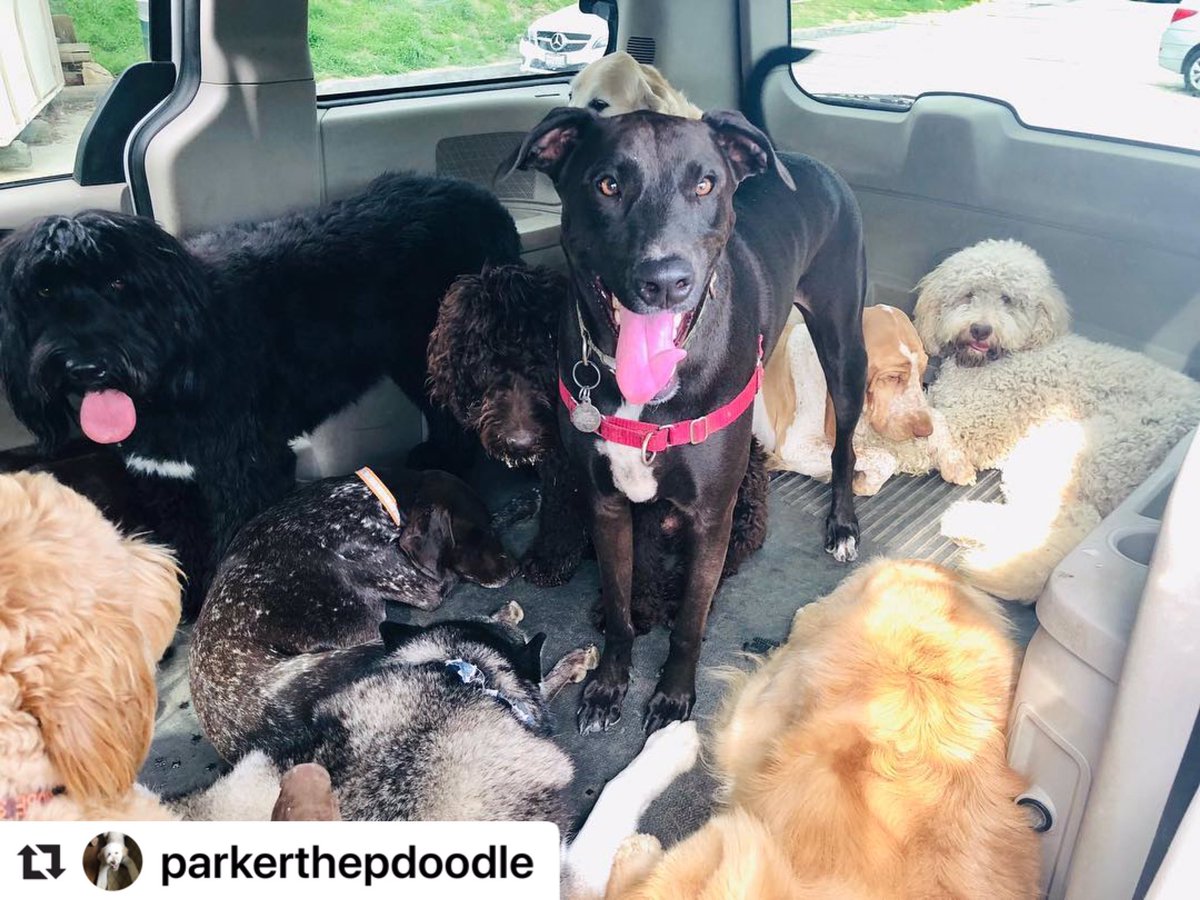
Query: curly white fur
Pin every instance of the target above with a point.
(1073, 425)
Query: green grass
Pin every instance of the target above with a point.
(109, 26)
(812, 13)
(353, 38)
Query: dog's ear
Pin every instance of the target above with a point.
(550, 143)
(747, 150)
(395, 634)
(529, 659)
(424, 538)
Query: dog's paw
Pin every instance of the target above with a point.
(957, 470)
(866, 484)
(841, 539)
(600, 705)
(667, 706)
(510, 613)
(547, 566)
(674, 748)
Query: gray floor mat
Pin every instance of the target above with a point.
(758, 603)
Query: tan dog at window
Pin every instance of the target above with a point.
(864, 759)
(618, 83)
(794, 416)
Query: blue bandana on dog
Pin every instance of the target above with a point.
(470, 673)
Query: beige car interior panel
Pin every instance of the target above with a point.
(246, 147)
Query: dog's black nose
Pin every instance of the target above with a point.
(981, 331)
(664, 282)
(84, 373)
(521, 440)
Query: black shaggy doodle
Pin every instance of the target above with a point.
(201, 359)
(493, 363)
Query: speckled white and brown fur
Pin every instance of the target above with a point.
(291, 656)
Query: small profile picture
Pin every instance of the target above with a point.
(112, 861)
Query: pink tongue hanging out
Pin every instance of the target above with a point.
(107, 417)
(646, 354)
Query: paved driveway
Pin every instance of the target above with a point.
(1079, 65)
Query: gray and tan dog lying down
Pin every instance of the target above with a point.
(865, 758)
(793, 417)
(617, 84)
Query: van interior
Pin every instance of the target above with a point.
(231, 121)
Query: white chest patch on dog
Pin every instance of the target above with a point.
(161, 468)
(630, 474)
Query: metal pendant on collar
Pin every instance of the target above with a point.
(585, 417)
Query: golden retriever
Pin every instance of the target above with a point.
(618, 83)
(864, 759)
(85, 615)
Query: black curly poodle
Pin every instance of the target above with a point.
(493, 364)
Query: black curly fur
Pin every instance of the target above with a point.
(235, 341)
(493, 364)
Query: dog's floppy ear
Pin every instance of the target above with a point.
(748, 150)
(395, 634)
(427, 533)
(551, 141)
(529, 659)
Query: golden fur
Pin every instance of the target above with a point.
(617, 83)
(864, 759)
(85, 615)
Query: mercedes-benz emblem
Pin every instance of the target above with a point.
(558, 40)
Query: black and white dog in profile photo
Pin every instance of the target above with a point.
(202, 358)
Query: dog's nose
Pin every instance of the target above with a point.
(664, 282)
(922, 426)
(522, 440)
(84, 373)
(981, 331)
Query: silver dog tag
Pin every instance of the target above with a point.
(586, 417)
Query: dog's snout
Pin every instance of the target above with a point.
(981, 331)
(664, 282)
(522, 440)
(922, 426)
(84, 373)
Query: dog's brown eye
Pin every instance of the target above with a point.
(970, 295)
(1004, 298)
(43, 292)
(608, 186)
(704, 186)
(117, 284)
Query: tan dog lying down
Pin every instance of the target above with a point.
(793, 418)
(864, 759)
(618, 83)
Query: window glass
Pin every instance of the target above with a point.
(370, 45)
(56, 59)
(1116, 68)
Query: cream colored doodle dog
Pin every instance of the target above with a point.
(1072, 424)
(618, 83)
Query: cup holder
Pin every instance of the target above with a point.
(1136, 545)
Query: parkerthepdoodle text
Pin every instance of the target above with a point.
(312, 863)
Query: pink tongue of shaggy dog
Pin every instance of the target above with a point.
(107, 417)
(646, 354)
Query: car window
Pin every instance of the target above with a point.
(1115, 68)
(361, 46)
(57, 59)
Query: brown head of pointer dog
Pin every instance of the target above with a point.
(702, 227)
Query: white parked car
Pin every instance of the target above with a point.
(1179, 49)
(563, 39)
